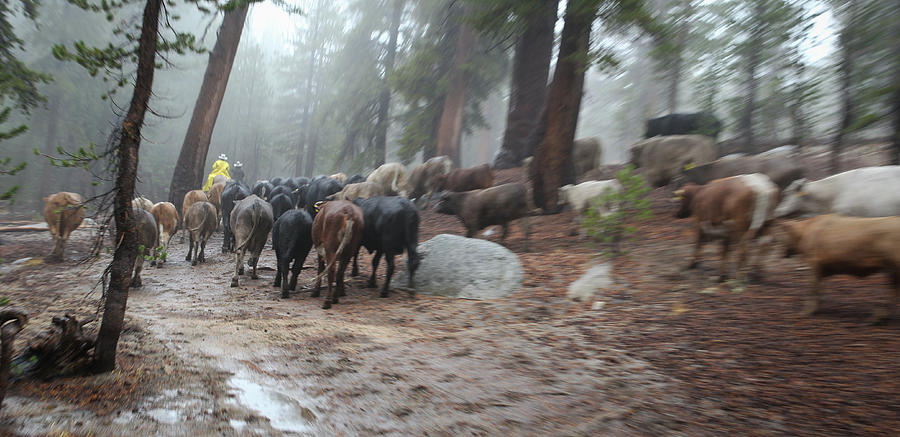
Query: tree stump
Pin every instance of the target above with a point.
(11, 323)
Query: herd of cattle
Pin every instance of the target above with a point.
(737, 199)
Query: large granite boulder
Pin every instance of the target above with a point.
(469, 268)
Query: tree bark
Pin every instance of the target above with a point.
(552, 165)
(847, 65)
(528, 86)
(189, 170)
(384, 99)
(450, 128)
(11, 323)
(308, 109)
(895, 106)
(678, 63)
(754, 56)
(50, 146)
(127, 154)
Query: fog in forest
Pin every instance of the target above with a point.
(310, 74)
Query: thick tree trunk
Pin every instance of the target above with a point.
(384, 99)
(127, 155)
(450, 128)
(752, 64)
(308, 109)
(678, 63)
(552, 165)
(189, 170)
(895, 106)
(528, 86)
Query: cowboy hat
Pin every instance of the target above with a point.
(223, 157)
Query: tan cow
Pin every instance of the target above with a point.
(63, 212)
(167, 223)
(340, 177)
(190, 198)
(362, 190)
(423, 179)
(336, 233)
(215, 197)
(662, 158)
(391, 177)
(220, 179)
(734, 210)
(142, 203)
(840, 245)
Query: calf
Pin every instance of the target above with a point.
(466, 179)
(319, 189)
(167, 222)
(281, 204)
(492, 206)
(363, 190)
(423, 180)
(340, 177)
(146, 233)
(391, 226)
(142, 203)
(336, 233)
(391, 177)
(190, 198)
(280, 189)
(200, 222)
(702, 123)
(251, 221)
(63, 213)
(781, 170)
(737, 209)
(292, 238)
(234, 192)
(835, 245)
(580, 196)
(863, 192)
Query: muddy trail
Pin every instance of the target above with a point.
(662, 352)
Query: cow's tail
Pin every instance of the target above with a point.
(202, 223)
(345, 234)
(256, 219)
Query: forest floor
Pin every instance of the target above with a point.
(667, 352)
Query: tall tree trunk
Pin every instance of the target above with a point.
(189, 170)
(552, 165)
(895, 106)
(49, 146)
(127, 154)
(450, 128)
(754, 56)
(848, 62)
(799, 122)
(678, 63)
(308, 135)
(384, 99)
(528, 86)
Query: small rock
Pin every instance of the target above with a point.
(586, 286)
(598, 305)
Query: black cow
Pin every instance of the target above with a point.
(276, 181)
(234, 192)
(237, 173)
(391, 226)
(355, 179)
(320, 188)
(263, 189)
(300, 181)
(292, 238)
(281, 203)
(280, 189)
(298, 196)
(702, 123)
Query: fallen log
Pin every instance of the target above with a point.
(11, 323)
(63, 349)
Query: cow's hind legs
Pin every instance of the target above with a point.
(882, 315)
(815, 295)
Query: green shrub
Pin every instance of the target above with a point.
(625, 208)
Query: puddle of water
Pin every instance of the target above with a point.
(284, 412)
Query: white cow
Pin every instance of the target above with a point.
(581, 195)
(863, 192)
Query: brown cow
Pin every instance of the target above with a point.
(423, 179)
(362, 190)
(336, 233)
(391, 177)
(340, 177)
(492, 206)
(735, 210)
(220, 179)
(167, 222)
(200, 223)
(63, 212)
(840, 245)
(190, 198)
(142, 203)
(466, 179)
(146, 235)
(215, 197)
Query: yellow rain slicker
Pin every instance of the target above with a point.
(219, 168)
